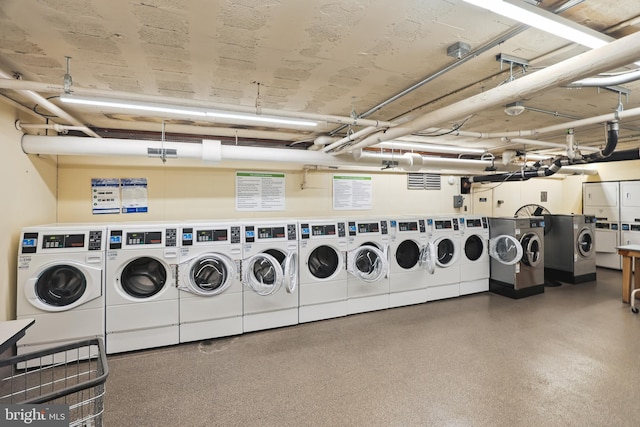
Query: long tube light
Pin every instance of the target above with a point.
(545, 21)
(171, 109)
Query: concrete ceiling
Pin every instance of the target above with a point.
(325, 57)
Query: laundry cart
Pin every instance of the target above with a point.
(69, 376)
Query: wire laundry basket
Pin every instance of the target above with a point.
(71, 374)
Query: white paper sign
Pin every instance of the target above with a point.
(260, 191)
(135, 197)
(352, 192)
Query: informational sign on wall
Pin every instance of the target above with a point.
(352, 192)
(116, 195)
(135, 198)
(260, 191)
(105, 195)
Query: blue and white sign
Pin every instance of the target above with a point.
(105, 195)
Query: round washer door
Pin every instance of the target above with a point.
(63, 286)
(263, 273)
(144, 277)
(505, 249)
(324, 262)
(531, 247)
(209, 274)
(408, 254)
(367, 262)
(473, 247)
(585, 243)
(446, 252)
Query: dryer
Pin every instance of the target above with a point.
(570, 254)
(323, 273)
(368, 265)
(141, 296)
(411, 261)
(474, 260)
(445, 281)
(60, 284)
(517, 256)
(269, 274)
(602, 200)
(208, 278)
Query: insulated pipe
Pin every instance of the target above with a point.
(612, 80)
(615, 54)
(524, 175)
(612, 141)
(535, 142)
(55, 126)
(48, 105)
(350, 138)
(8, 83)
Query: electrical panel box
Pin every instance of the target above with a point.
(457, 201)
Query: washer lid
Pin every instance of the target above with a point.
(428, 257)
(368, 263)
(585, 242)
(446, 252)
(63, 285)
(291, 272)
(505, 249)
(324, 262)
(207, 274)
(144, 277)
(262, 273)
(532, 251)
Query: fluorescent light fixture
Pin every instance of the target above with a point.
(545, 21)
(170, 109)
(399, 145)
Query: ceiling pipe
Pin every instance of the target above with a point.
(48, 105)
(615, 54)
(535, 142)
(609, 80)
(22, 85)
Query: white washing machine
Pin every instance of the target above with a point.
(475, 260)
(411, 261)
(60, 284)
(602, 200)
(368, 265)
(323, 273)
(570, 254)
(141, 296)
(269, 274)
(208, 278)
(445, 282)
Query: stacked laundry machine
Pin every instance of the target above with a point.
(602, 200)
(517, 256)
(367, 265)
(630, 212)
(570, 254)
(445, 281)
(142, 301)
(208, 278)
(269, 274)
(61, 284)
(412, 261)
(323, 273)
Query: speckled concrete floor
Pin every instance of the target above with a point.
(568, 357)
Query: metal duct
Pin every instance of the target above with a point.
(558, 162)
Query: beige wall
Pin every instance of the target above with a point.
(197, 192)
(28, 194)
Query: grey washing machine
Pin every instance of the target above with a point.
(570, 251)
(525, 277)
